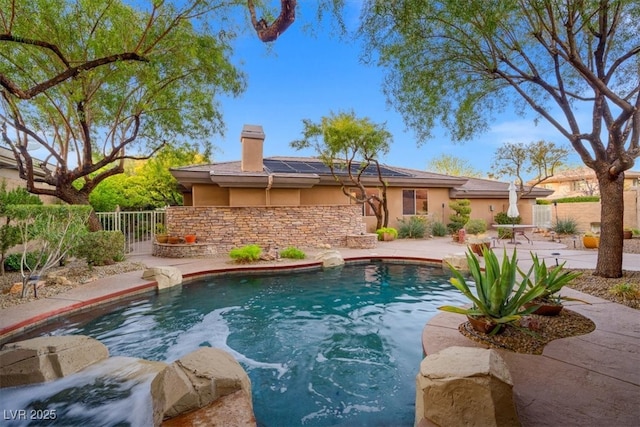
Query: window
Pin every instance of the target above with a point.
(414, 202)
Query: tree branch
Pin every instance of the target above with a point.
(269, 33)
(70, 72)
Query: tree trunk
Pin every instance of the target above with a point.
(75, 197)
(609, 262)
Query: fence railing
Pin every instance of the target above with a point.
(139, 228)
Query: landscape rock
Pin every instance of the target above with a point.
(195, 381)
(46, 358)
(166, 277)
(457, 261)
(465, 386)
(330, 258)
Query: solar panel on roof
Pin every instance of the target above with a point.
(296, 166)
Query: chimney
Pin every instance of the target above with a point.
(252, 139)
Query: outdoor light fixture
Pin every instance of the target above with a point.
(491, 208)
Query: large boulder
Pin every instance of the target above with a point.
(196, 380)
(46, 358)
(465, 386)
(330, 258)
(166, 277)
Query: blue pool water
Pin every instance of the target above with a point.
(322, 348)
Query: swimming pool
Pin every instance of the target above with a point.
(326, 347)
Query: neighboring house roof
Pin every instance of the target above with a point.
(582, 172)
(301, 172)
(477, 188)
(6, 159)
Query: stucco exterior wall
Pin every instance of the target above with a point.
(283, 197)
(584, 213)
(269, 227)
(323, 195)
(208, 195)
(12, 180)
(247, 197)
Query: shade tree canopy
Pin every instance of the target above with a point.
(461, 63)
(160, 70)
(455, 166)
(148, 184)
(349, 146)
(540, 160)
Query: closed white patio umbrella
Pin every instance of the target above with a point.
(513, 201)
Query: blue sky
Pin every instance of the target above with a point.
(307, 77)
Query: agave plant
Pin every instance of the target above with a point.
(553, 280)
(502, 291)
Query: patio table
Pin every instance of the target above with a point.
(516, 228)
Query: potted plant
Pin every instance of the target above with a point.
(552, 280)
(478, 241)
(161, 233)
(591, 240)
(500, 297)
(627, 233)
(387, 233)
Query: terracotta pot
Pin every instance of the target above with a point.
(162, 238)
(173, 240)
(387, 237)
(484, 325)
(627, 234)
(476, 248)
(190, 238)
(591, 242)
(546, 308)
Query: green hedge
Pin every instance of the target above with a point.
(577, 199)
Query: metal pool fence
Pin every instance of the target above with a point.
(139, 228)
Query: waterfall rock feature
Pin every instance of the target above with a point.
(43, 359)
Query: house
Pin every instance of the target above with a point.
(306, 183)
(11, 177)
(582, 181)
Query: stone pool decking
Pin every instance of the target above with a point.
(590, 380)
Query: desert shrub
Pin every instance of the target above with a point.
(438, 229)
(12, 261)
(101, 247)
(625, 290)
(565, 226)
(249, 253)
(292, 253)
(476, 226)
(414, 227)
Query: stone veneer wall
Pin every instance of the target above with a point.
(269, 226)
